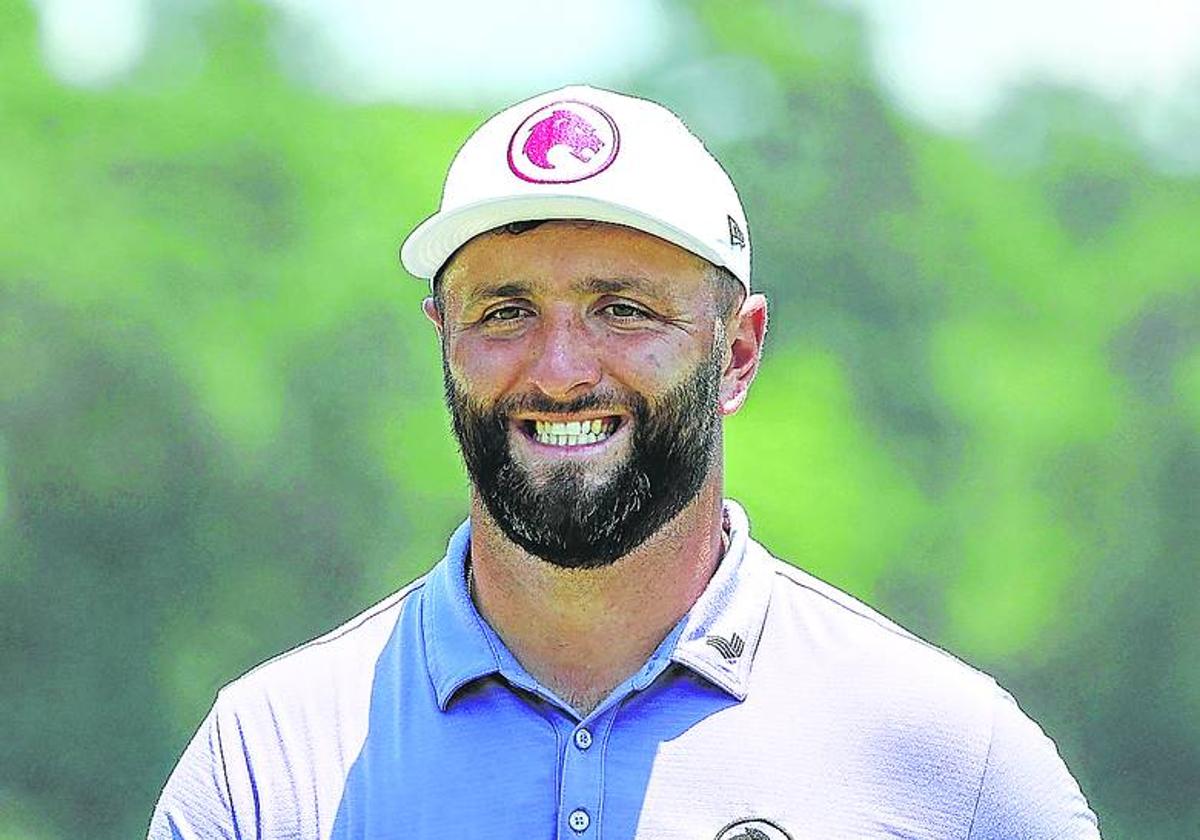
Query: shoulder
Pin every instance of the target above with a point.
(336, 661)
(841, 626)
(301, 715)
(916, 714)
(929, 727)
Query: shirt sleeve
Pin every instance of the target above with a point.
(1027, 793)
(195, 803)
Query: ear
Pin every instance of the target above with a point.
(744, 339)
(432, 313)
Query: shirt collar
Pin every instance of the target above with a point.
(722, 629)
(457, 647)
(717, 639)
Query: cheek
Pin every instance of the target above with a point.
(655, 365)
(661, 355)
(483, 367)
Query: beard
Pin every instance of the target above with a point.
(568, 519)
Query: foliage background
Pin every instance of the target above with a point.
(221, 430)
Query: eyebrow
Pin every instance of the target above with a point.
(595, 285)
(500, 290)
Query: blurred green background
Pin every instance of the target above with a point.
(221, 430)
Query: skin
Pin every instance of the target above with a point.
(562, 309)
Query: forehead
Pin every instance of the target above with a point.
(567, 251)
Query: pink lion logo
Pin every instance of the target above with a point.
(562, 128)
(588, 134)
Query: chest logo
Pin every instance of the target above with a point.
(562, 143)
(753, 829)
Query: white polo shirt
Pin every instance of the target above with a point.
(778, 707)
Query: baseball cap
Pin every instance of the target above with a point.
(581, 152)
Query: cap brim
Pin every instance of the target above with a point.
(433, 241)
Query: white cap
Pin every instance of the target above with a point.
(585, 153)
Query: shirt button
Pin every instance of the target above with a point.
(579, 820)
(583, 739)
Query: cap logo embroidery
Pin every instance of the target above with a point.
(753, 829)
(563, 142)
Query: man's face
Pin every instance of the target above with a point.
(583, 364)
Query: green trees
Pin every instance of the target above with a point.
(221, 430)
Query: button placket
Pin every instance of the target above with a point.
(582, 775)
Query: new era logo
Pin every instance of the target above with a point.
(730, 648)
(737, 239)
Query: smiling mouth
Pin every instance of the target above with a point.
(571, 432)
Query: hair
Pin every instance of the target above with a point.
(728, 291)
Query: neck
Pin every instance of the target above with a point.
(582, 632)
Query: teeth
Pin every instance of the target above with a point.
(574, 433)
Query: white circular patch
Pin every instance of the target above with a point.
(753, 829)
(563, 142)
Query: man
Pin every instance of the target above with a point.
(604, 651)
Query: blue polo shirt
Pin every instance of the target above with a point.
(778, 707)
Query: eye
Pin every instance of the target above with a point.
(506, 313)
(625, 311)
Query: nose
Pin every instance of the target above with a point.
(566, 360)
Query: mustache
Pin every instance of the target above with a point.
(605, 400)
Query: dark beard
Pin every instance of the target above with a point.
(566, 521)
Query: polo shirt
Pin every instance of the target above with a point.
(778, 707)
